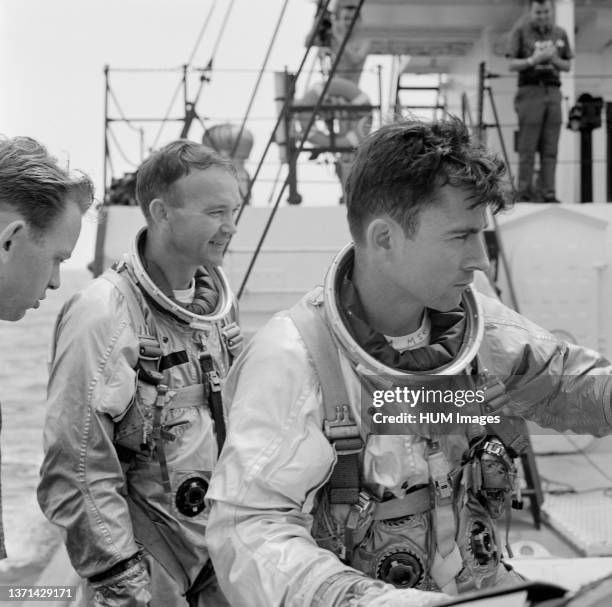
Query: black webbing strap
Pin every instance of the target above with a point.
(340, 428)
(214, 397)
(202, 580)
(344, 485)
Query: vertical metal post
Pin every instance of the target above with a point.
(185, 92)
(609, 151)
(480, 127)
(294, 196)
(380, 94)
(106, 123)
(97, 265)
(586, 165)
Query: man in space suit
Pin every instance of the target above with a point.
(134, 423)
(314, 502)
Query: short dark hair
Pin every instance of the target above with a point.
(531, 2)
(158, 173)
(399, 168)
(34, 185)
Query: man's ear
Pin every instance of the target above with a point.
(8, 235)
(158, 211)
(378, 234)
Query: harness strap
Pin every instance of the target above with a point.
(214, 396)
(447, 561)
(148, 535)
(202, 580)
(149, 362)
(416, 502)
(189, 396)
(339, 427)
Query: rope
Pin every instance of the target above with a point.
(121, 112)
(184, 68)
(120, 150)
(259, 77)
(202, 31)
(275, 180)
(311, 121)
(221, 32)
(167, 115)
(281, 114)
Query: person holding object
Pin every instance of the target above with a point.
(41, 205)
(329, 36)
(538, 51)
(134, 423)
(314, 502)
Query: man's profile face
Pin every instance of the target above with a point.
(203, 221)
(31, 262)
(541, 14)
(434, 266)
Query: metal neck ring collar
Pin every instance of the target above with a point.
(474, 330)
(220, 281)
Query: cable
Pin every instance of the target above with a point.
(201, 34)
(276, 180)
(281, 115)
(184, 68)
(259, 77)
(121, 112)
(305, 134)
(221, 32)
(120, 150)
(167, 115)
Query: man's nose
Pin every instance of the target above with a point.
(54, 281)
(478, 257)
(229, 226)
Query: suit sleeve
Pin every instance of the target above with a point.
(91, 385)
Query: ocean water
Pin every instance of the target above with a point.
(30, 538)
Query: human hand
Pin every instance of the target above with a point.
(233, 338)
(544, 55)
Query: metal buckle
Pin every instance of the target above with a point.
(497, 449)
(148, 348)
(214, 380)
(443, 489)
(342, 427)
(365, 502)
(438, 470)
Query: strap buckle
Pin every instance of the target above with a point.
(497, 450)
(148, 348)
(343, 427)
(206, 364)
(443, 489)
(439, 471)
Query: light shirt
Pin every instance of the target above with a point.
(185, 296)
(416, 339)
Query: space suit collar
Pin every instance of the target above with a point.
(447, 331)
(460, 333)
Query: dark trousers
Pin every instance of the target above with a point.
(539, 117)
